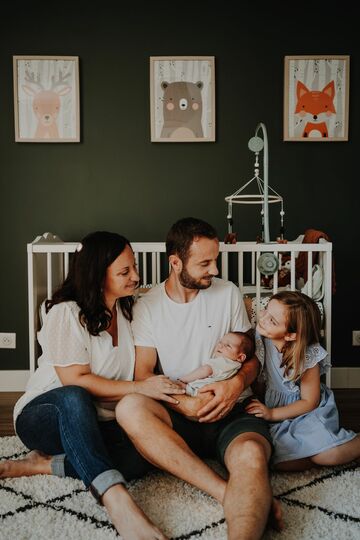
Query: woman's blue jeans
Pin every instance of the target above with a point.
(63, 423)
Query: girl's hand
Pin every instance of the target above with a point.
(158, 387)
(260, 410)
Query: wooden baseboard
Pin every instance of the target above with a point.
(13, 380)
(346, 377)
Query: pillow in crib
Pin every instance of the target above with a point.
(317, 284)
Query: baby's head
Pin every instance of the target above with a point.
(236, 346)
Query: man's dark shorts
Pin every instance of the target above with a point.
(210, 440)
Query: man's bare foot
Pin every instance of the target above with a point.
(276, 521)
(128, 519)
(34, 463)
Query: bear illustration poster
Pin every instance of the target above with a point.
(182, 98)
(316, 98)
(46, 98)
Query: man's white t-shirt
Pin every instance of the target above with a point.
(184, 335)
(65, 342)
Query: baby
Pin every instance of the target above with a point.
(230, 353)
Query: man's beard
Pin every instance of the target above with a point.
(189, 282)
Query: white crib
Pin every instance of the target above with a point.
(48, 263)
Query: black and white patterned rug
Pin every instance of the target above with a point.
(316, 504)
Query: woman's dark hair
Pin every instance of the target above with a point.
(85, 280)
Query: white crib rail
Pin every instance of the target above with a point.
(48, 264)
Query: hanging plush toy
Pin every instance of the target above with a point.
(283, 274)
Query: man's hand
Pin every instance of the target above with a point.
(225, 394)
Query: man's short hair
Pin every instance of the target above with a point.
(183, 233)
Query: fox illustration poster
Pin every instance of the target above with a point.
(316, 98)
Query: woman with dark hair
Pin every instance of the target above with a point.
(66, 416)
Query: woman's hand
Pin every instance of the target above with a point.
(189, 406)
(260, 410)
(158, 387)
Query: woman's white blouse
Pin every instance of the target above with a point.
(65, 342)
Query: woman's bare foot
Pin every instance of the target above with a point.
(276, 521)
(34, 463)
(127, 518)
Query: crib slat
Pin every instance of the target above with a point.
(224, 265)
(49, 275)
(144, 280)
(32, 291)
(292, 271)
(241, 270)
(158, 268)
(309, 273)
(327, 306)
(253, 266)
(66, 264)
(275, 278)
(258, 280)
(153, 268)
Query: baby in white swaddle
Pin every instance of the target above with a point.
(230, 353)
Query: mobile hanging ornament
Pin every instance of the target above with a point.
(256, 144)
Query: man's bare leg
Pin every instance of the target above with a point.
(34, 462)
(248, 497)
(148, 425)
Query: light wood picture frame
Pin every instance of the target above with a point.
(182, 98)
(316, 98)
(46, 99)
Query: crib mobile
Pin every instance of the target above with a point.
(267, 263)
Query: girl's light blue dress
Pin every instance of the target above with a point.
(310, 433)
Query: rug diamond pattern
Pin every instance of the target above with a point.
(317, 504)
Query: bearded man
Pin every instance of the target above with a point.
(176, 327)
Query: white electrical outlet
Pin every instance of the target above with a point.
(8, 340)
(356, 338)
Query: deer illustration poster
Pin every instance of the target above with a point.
(46, 95)
(316, 98)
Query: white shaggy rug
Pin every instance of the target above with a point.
(316, 504)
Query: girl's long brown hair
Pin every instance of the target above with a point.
(303, 317)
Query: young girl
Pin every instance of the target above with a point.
(302, 410)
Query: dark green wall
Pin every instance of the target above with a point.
(116, 179)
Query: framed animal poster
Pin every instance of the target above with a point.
(182, 98)
(46, 98)
(316, 98)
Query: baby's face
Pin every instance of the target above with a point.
(229, 346)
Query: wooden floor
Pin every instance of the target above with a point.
(348, 401)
